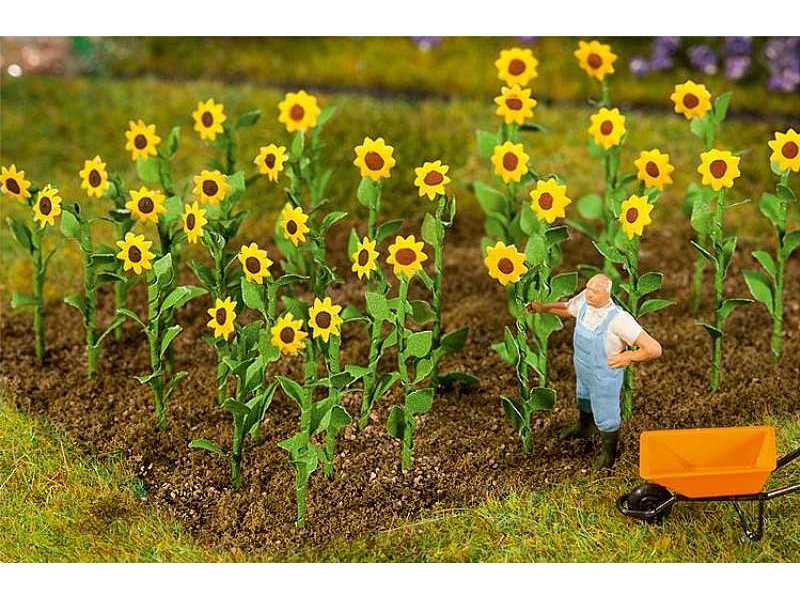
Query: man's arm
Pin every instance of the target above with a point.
(555, 308)
(649, 349)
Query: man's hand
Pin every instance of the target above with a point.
(620, 361)
(534, 307)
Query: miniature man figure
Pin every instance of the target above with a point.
(602, 331)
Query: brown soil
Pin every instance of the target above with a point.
(464, 450)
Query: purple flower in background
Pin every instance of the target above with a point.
(426, 42)
(783, 62)
(738, 46)
(704, 59)
(737, 67)
(639, 66)
(661, 61)
(528, 39)
(666, 45)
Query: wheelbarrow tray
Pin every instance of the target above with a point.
(701, 463)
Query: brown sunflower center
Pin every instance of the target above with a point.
(146, 205)
(514, 103)
(374, 161)
(253, 264)
(45, 206)
(220, 316)
(12, 186)
(94, 178)
(190, 221)
(505, 266)
(790, 149)
(207, 119)
(291, 227)
(594, 60)
(516, 66)
(269, 160)
(210, 187)
(323, 319)
(510, 161)
(652, 169)
(606, 127)
(297, 112)
(363, 257)
(718, 168)
(287, 335)
(134, 254)
(546, 200)
(433, 178)
(631, 215)
(406, 256)
(690, 100)
(140, 141)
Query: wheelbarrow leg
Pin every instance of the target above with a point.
(756, 535)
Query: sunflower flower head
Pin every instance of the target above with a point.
(653, 169)
(691, 99)
(324, 319)
(223, 316)
(510, 161)
(406, 256)
(595, 58)
(365, 258)
(719, 168)
(516, 66)
(298, 111)
(505, 263)
(14, 184)
(94, 177)
(431, 179)
(288, 336)
(293, 222)
(549, 200)
(607, 127)
(270, 160)
(47, 206)
(634, 214)
(255, 263)
(211, 187)
(142, 140)
(374, 158)
(135, 253)
(145, 205)
(208, 119)
(786, 150)
(515, 104)
(194, 219)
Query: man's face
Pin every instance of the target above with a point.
(596, 292)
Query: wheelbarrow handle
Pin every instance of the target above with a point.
(785, 460)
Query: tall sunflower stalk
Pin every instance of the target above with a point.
(163, 299)
(45, 205)
(718, 169)
(768, 288)
(693, 101)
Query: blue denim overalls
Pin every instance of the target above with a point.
(598, 385)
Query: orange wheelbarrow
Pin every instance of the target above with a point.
(729, 464)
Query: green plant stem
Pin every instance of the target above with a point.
(154, 338)
(371, 378)
(700, 262)
(38, 293)
(374, 209)
(333, 397)
(405, 456)
(629, 378)
(91, 315)
(438, 252)
(120, 287)
(522, 372)
(716, 237)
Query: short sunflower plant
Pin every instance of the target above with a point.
(694, 102)
(719, 170)
(212, 125)
(45, 206)
(529, 281)
(767, 287)
(158, 326)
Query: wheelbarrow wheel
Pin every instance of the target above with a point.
(649, 496)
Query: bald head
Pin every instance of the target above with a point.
(598, 290)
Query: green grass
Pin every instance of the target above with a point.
(58, 505)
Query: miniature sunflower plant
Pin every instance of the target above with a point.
(45, 206)
(529, 279)
(767, 287)
(212, 125)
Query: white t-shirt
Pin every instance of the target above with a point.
(622, 331)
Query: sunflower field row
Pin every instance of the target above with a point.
(295, 314)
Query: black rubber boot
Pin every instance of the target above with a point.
(581, 429)
(608, 450)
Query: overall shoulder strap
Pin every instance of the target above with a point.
(612, 312)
